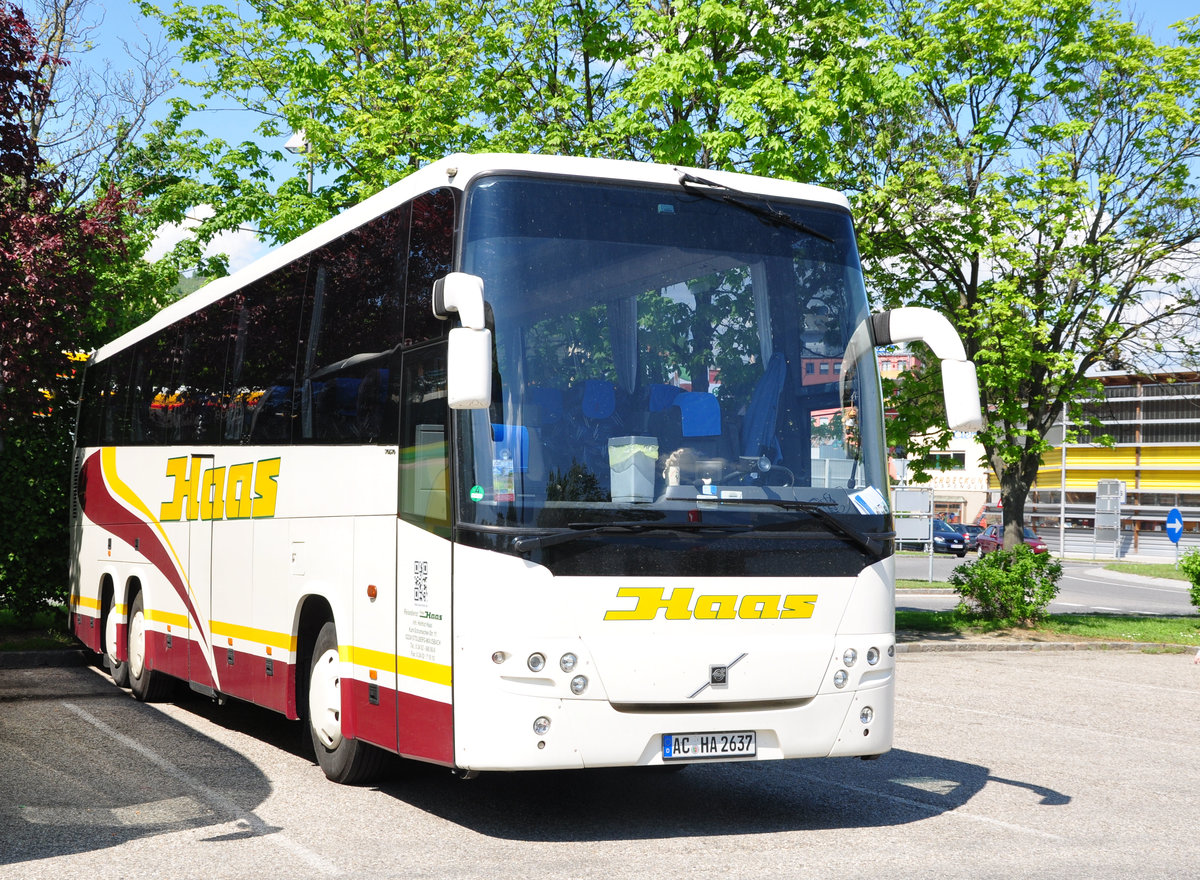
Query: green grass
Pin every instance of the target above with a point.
(1148, 569)
(905, 584)
(45, 632)
(1083, 627)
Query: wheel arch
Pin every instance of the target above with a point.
(314, 612)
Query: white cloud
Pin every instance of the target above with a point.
(242, 246)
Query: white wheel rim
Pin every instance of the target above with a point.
(137, 645)
(325, 699)
(110, 635)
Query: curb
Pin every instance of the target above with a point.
(36, 659)
(976, 646)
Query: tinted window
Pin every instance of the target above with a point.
(429, 258)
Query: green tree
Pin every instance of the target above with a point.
(49, 254)
(751, 86)
(1033, 177)
(380, 90)
(377, 90)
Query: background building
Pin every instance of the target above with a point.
(1154, 422)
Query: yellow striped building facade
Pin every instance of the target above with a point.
(1155, 425)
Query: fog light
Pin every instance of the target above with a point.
(839, 678)
(866, 715)
(850, 657)
(567, 662)
(872, 656)
(541, 725)
(499, 657)
(579, 684)
(891, 650)
(537, 662)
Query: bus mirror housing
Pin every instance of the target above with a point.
(469, 355)
(960, 385)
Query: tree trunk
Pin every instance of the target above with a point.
(1015, 482)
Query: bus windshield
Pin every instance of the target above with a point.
(660, 351)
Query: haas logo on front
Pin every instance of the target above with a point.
(680, 605)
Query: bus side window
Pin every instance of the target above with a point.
(424, 440)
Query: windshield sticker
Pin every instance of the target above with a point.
(870, 500)
(503, 480)
(477, 493)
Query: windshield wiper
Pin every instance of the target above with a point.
(870, 543)
(730, 196)
(574, 531)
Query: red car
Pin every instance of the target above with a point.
(993, 539)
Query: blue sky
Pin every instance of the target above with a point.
(124, 23)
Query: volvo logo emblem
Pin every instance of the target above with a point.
(718, 676)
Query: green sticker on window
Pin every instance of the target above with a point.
(477, 493)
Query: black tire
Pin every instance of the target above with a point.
(118, 669)
(345, 760)
(961, 555)
(147, 685)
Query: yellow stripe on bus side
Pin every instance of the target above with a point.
(250, 634)
(170, 617)
(423, 670)
(87, 602)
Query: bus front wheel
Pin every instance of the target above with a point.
(343, 759)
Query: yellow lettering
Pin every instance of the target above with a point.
(238, 497)
(187, 486)
(795, 607)
(212, 498)
(265, 488)
(650, 600)
(716, 608)
(759, 607)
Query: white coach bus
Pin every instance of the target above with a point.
(525, 462)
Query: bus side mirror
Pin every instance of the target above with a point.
(960, 385)
(469, 355)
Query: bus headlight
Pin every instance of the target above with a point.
(567, 662)
(541, 725)
(579, 684)
(839, 678)
(872, 656)
(867, 715)
(850, 657)
(536, 662)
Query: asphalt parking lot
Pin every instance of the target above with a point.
(1047, 763)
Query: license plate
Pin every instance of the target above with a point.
(697, 746)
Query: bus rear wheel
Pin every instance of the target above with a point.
(343, 759)
(147, 685)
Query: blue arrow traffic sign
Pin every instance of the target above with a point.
(1174, 525)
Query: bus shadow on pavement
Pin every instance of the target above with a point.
(87, 768)
(702, 800)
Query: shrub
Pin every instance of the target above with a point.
(1189, 564)
(34, 546)
(1008, 586)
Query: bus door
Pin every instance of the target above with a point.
(423, 562)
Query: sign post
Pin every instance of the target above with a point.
(1175, 530)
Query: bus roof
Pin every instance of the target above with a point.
(457, 171)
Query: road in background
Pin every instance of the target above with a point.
(1085, 588)
(1005, 765)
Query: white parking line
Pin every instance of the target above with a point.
(217, 800)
